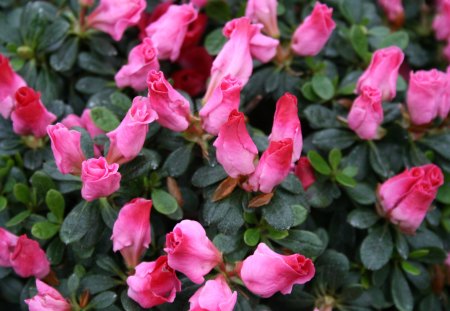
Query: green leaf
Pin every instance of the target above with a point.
(251, 236)
(226, 214)
(321, 194)
(91, 85)
(44, 230)
(362, 218)
(109, 215)
(304, 242)
(334, 158)
(300, 214)
(276, 234)
(77, 223)
(308, 92)
(42, 183)
(178, 161)
(410, 268)
(103, 300)
(378, 164)
(55, 203)
(359, 41)
(333, 138)
(55, 251)
(18, 218)
(208, 175)
(218, 10)
(398, 38)
(401, 293)
(292, 184)
(278, 213)
(164, 202)
(362, 193)
(345, 180)
(376, 249)
(3, 203)
(443, 194)
(147, 160)
(54, 35)
(319, 163)
(92, 63)
(320, 117)
(73, 283)
(104, 118)
(214, 41)
(323, 87)
(97, 283)
(64, 59)
(22, 193)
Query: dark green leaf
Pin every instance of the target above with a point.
(333, 138)
(304, 242)
(208, 175)
(278, 213)
(144, 162)
(65, 57)
(178, 161)
(218, 10)
(401, 293)
(320, 117)
(92, 63)
(359, 41)
(399, 38)
(323, 87)
(103, 300)
(77, 222)
(18, 218)
(362, 218)
(362, 193)
(214, 41)
(22, 193)
(376, 249)
(55, 203)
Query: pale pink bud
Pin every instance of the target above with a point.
(215, 295)
(8, 242)
(441, 23)
(99, 178)
(264, 12)
(393, 9)
(47, 299)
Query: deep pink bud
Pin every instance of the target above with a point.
(382, 72)
(131, 231)
(441, 22)
(30, 117)
(312, 35)
(99, 178)
(264, 12)
(366, 113)
(235, 149)
(28, 259)
(172, 108)
(225, 98)
(10, 82)
(393, 9)
(127, 140)
(153, 283)
(47, 299)
(190, 252)
(115, 16)
(305, 172)
(215, 295)
(265, 272)
(141, 60)
(8, 242)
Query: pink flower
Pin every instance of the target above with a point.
(30, 117)
(225, 98)
(66, 147)
(312, 35)
(8, 242)
(72, 120)
(424, 95)
(441, 23)
(127, 140)
(405, 198)
(235, 149)
(199, 3)
(286, 123)
(10, 82)
(265, 272)
(305, 172)
(393, 9)
(153, 283)
(131, 231)
(115, 16)
(28, 259)
(382, 72)
(47, 299)
(141, 60)
(99, 178)
(172, 108)
(273, 167)
(190, 252)
(262, 47)
(444, 107)
(169, 31)
(366, 113)
(264, 12)
(215, 295)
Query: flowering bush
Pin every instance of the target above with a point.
(225, 155)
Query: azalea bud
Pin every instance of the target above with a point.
(131, 231)
(405, 198)
(382, 72)
(262, 47)
(47, 299)
(190, 252)
(441, 22)
(8, 242)
(393, 9)
(141, 60)
(172, 108)
(312, 35)
(366, 113)
(28, 259)
(30, 117)
(115, 16)
(265, 272)
(10, 82)
(264, 12)
(66, 147)
(215, 295)
(153, 283)
(127, 140)
(99, 178)
(305, 172)
(235, 149)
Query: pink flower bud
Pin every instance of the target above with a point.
(265, 272)
(305, 172)
(190, 252)
(441, 23)
(405, 198)
(424, 95)
(235, 149)
(89, 125)
(169, 31)
(264, 12)
(141, 60)
(10, 82)
(393, 9)
(30, 117)
(131, 231)
(262, 47)
(66, 148)
(72, 120)
(47, 299)
(153, 283)
(273, 167)
(172, 108)
(366, 113)
(127, 140)
(312, 35)
(215, 295)
(225, 98)
(286, 123)
(28, 259)
(8, 242)
(99, 178)
(115, 16)
(444, 107)
(382, 72)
